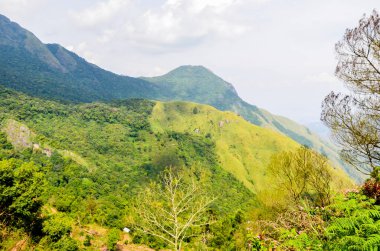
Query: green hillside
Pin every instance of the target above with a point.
(243, 149)
(198, 84)
(97, 157)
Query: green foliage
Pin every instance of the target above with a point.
(303, 175)
(354, 224)
(351, 222)
(299, 138)
(112, 239)
(66, 244)
(102, 154)
(87, 241)
(21, 185)
(57, 226)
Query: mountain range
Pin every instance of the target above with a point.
(51, 71)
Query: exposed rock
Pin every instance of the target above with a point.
(47, 151)
(19, 135)
(36, 147)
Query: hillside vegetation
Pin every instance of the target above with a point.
(97, 157)
(243, 149)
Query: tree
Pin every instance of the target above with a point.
(173, 209)
(302, 174)
(113, 238)
(355, 118)
(21, 185)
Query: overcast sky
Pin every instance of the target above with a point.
(279, 54)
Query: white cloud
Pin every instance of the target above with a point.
(101, 12)
(83, 50)
(20, 6)
(175, 23)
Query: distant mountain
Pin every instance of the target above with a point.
(53, 72)
(319, 128)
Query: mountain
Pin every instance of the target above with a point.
(198, 84)
(53, 72)
(243, 149)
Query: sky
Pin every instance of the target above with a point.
(279, 54)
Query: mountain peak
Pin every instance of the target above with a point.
(197, 84)
(19, 39)
(191, 71)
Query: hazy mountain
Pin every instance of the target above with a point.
(319, 128)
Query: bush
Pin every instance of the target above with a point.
(371, 188)
(57, 226)
(66, 244)
(113, 237)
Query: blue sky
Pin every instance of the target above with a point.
(278, 54)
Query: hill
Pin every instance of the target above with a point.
(198, 84)
(96, 157)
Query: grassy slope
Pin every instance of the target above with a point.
(243, 149)
(322, 146)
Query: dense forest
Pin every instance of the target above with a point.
(106, 173)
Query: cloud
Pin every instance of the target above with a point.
(17, 6)
(173, 24)
(83, 50)
(98, 13)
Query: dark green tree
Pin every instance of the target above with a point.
(21, 185)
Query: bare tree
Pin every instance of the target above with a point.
(355, 118)
(174, 209)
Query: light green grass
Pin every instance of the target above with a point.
(243, 148)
